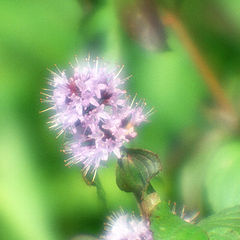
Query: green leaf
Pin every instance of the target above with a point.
(167, 226)
(224, 225)
(135, 170)
(222, 177)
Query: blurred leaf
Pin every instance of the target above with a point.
(192, 175)
(170, 84)
(24, 206)
(224, 225)
(38, 31)
(142, 22)
(167, 226)
(223, 178)
(135, 170)
(101, 32)
(217, 42)
(90, 6)
(232, 10)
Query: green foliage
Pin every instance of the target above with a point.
(192, 177)
(42, 199)
(224, 225)
(167, 226)
(222, 177)
(135, 170)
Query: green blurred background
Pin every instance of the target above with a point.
(196, 139)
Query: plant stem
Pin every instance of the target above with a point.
(147, 201)
(100, 192)
(207, 73)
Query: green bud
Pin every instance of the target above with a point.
(135, 170)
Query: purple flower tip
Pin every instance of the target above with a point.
(91, 105)
(127, 227)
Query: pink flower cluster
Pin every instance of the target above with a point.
(124, 226)
(91, 106)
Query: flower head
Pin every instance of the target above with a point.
(91, 105)
(127, 227)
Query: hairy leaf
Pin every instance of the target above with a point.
(224, 225)
(167, 226)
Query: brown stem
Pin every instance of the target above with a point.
(207, 73)
(139, 199)
(147, 202)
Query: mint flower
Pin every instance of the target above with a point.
(90, 105)
(127, 227)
